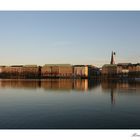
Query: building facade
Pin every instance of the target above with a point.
(19, 71)
(80, 71)
(109, 70)
(134, 70)
(30, 71)
(93, 72)
(57, 70)
(123, 68)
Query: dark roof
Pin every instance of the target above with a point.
(138, 64)
(16, 66)
(79, 65)
(2, 66)
(110, 65)
(123, 64)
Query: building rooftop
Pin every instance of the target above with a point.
(123, 64)
(80, 65)
(30, 65)
(49, 65)
(2, 66)
(16, 66)
(110, 65)
(138, 64)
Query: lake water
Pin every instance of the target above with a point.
(69, 104)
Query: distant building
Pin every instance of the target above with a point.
(57, 70)
(86, 71)
(2, 69)
(30, 71)
(10, 71)
(80, 71)
(19, 71)
(123, 68)
(134, 68)
(93, 72)
(109, 69)
(65, 70)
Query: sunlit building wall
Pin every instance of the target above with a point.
(57, 70)
(123, 68)
(80, 71)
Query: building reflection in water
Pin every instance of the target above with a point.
(51, 84)
(81, 85)
(120, 87)
(112, 97)
(112, 87)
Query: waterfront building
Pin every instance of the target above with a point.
(10, 71)
(15, 69)
(2, 69)
(46, 70)
(30, 71)
(19, 71)
(123, 68)
(86, 71)
(134, 67)
(57, 70)
(80, 71)
(66, 70)
(93, 72)
(134, 70)
(109, 69)
(137, 67)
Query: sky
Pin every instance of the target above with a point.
(76, 37)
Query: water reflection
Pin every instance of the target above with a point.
(100, 104)
(112, 97)
(123, 87)
(54, 84)
(115, 87)
(66, 84)
(112, 87)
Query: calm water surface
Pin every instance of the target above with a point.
(69, 104)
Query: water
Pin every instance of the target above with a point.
(69, 104)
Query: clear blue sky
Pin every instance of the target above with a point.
(69, 37)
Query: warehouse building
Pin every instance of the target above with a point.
(10, 71)
(57, 70)
(19, 71)
(30, 71)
